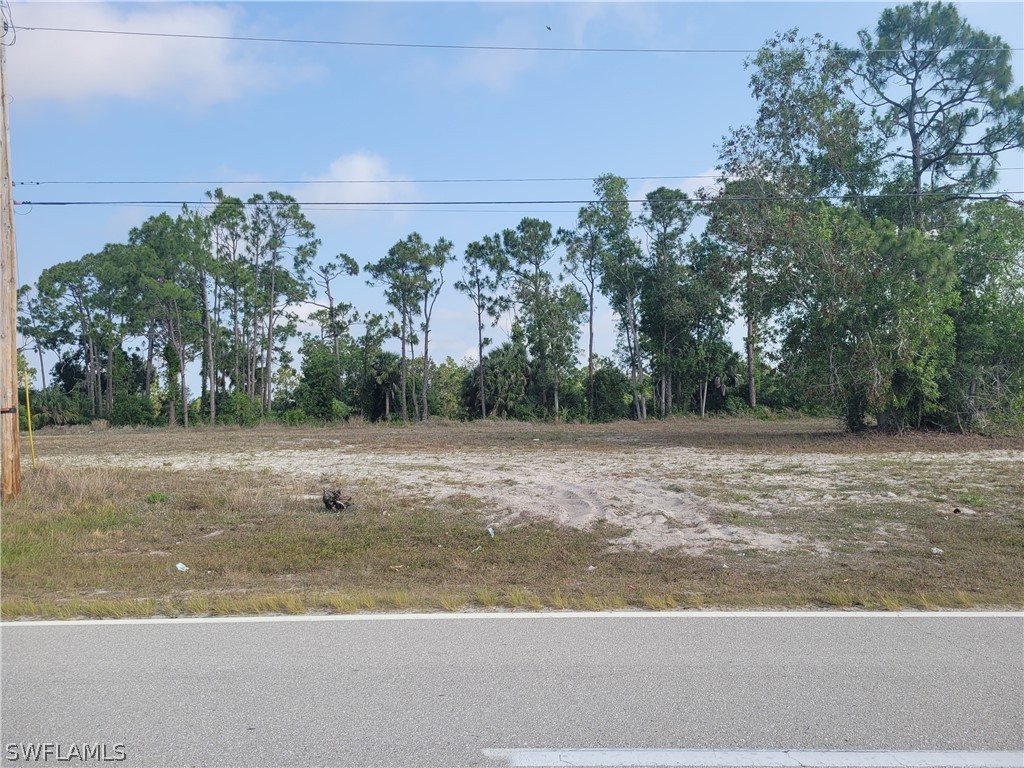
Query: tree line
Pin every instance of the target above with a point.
(849, 229)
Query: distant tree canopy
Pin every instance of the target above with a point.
(851, 230)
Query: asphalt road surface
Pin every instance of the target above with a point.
(514, 690)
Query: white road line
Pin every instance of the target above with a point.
(755, 758)
(526, 616)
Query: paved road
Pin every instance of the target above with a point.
(440, 690)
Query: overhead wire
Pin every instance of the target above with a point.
(403, 205)
(552, 179)
(320, 182)
(455, 47)
(388, 204)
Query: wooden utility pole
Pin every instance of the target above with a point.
(10, 448)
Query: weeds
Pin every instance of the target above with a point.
(103, 542)
(557, 601)
(486, 597)
(659, 602)
(451, 603)
(890, 603)
(518, 597)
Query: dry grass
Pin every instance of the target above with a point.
(103, 542)
(786, 436)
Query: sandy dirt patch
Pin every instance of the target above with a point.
(665, 497)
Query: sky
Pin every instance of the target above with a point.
(131, 119)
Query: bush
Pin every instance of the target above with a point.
(340, 411)
(51, 406)
(293, 417)
(612, 396)
(131, 410)
(239, 408)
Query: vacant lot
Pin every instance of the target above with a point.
(725, 513)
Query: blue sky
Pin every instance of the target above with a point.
(89, 107)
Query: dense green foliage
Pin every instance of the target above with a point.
(850, 231)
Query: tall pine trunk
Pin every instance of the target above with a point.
(751, 385)
(151, 340)
(236, 379)
(558, 413)
(42, 369)
(636, 372)
(590, 361)
(425, 415)
(270, 338)
(184, 392)
(480, 348)
(110, 381)
(405, 402)
(210, 367)
(412, 382)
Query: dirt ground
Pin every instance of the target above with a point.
(678, 484)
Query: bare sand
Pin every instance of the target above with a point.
(663, 497)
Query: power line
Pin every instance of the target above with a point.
(372, 181)
(340, 208)
(358, 205)
(510, 180)
(330, 209)
(459, 47)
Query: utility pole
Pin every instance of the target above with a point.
(10, 448)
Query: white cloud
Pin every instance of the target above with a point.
(691, 186)
(78, 68)
(573, 25)
(641, 20)
(580, 16)
(376, 182)
(498, 70)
